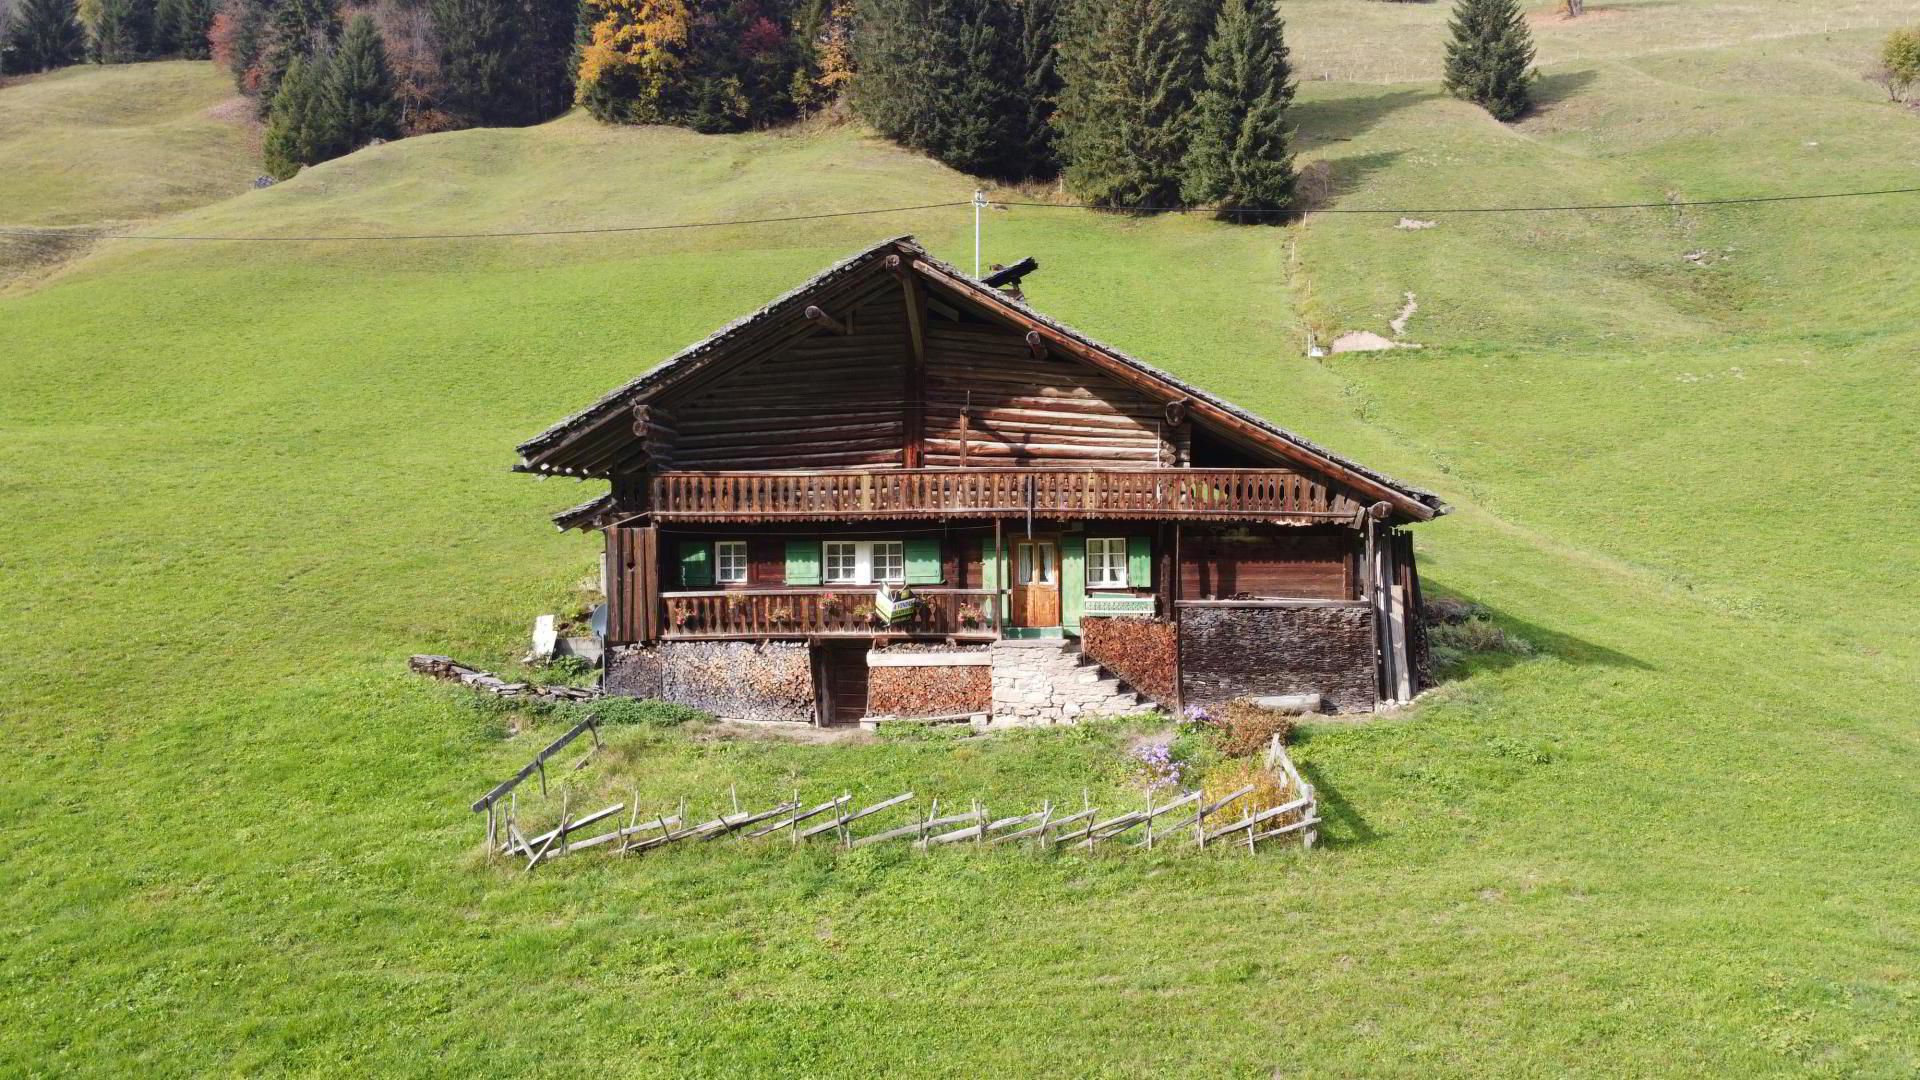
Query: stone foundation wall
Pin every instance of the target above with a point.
(1228, 652)
(1048, 681)
(771, 681)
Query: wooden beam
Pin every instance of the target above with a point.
(994, 306)
(821, 318)
(916, 374)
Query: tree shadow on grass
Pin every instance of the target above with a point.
(1551, 90)
(1331, 121)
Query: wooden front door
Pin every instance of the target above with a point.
(1036, 582)
(843, 681)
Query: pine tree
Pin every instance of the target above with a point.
(297, 129)
(124, 33)
(1039, 96)
(1238, 158)
(45, 34)
(358, 96)
(1129, 70)
(947, 77)
(504, 62)
(180, 27)
(297, 28)
(1490, 58)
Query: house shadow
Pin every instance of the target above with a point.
(1318, 124)
(1343, 822)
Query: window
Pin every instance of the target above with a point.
(864, 562)
(842, 562)
(1107, 563)
(889, 561)
(730, 561)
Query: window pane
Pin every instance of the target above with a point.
(889, 561)
(1107, 562)
(1026, 563)
(730, 560)
(1044, 552)
(843, 562)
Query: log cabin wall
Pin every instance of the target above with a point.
(1028, 411)
(828, 401)
(1269, 561)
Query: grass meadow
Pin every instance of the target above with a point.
(241, 482)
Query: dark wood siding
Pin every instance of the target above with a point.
(632, 595)
(1217, 564)
(827, 401)
(1027, 411)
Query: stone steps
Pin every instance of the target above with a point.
(1050, 681)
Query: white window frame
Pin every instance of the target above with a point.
(726, 552)
(896, 554)
(1107, 562)
(828, 558)
(863, 561)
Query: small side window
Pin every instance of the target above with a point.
(730, 561)
(1106, 562)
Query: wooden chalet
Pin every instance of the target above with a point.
(1078, 531)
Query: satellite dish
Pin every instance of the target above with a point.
(599, 620)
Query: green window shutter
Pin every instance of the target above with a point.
(1140, 562)
(1073, 580)
(990, 574)
(696, 562)
(803, 562)
(923, 561)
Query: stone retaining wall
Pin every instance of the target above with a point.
(1049, 681)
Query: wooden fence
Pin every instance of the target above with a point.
(1186, 819)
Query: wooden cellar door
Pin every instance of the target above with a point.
(1036, 582)
(843, 681)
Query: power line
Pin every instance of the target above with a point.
(615, 229)
(506, 233)
(1669, 205)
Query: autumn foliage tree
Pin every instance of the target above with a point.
(714, 65)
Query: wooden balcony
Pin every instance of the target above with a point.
(1141, 494)
(845, 612)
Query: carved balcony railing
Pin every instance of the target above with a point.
(1218, 494)
(843, 612)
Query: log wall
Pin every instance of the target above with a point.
(1268, 562)
(1027, 411)
(830, 400)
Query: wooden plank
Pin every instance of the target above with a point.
(849, 819)
(580, 823)
(830, 804)
(533, 766)
(1196, 817)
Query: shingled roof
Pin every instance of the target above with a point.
(791, 305)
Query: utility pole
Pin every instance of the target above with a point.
(979, 203)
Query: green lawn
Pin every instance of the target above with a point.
(240, 483)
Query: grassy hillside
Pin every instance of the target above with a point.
(242, 482)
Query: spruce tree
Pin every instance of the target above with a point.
(358, 97)
(1238, 158)
(297, 28)
(1128, 71)
(298, 132)
(124, 32)
(1034, 131)
(1490, 58)
(504, 62)
(45, 34)
(180, 27)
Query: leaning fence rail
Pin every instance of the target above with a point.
(1195, 820)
